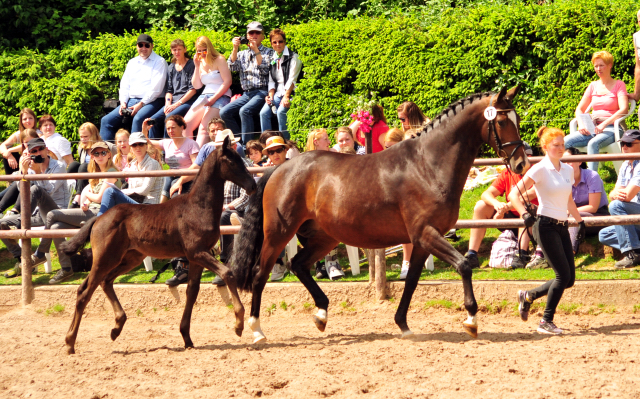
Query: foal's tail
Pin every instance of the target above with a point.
(79, 240)
(248, 243)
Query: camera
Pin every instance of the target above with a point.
(126, 112)
(151, 122)
(37, 158)
(244, 40)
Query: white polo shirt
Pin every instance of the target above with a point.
(553, 188)
(58, 145)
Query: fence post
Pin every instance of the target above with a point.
(25, 218)
(381, 273)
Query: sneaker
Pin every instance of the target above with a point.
(279, 271)
(630, 259)
(236, 220)
(517, 263)
(473, 260)
(218, 281)
(61, 276)
(37, 261)
(180, 276)
(547, 327)
(537, 262)
(523, 305)
(334, 270)
(17, 269)
(321, 271)
(405, 270)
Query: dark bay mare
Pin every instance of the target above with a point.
(409, 193)
(188, 225)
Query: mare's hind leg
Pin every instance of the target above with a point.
(318, 245)
(418, 257)
(434, 243)
(85, 291)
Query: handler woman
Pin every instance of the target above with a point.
(553, 181)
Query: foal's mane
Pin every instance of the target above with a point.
(452, 110)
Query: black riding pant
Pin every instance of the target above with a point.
(556, 245)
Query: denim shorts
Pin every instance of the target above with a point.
(221, 102)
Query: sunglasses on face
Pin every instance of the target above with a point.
(278, 151)
(99, 154)
(253, 32)
(201, 52)
(136, 145)
(36, 150)
(145, 45)
(277, 42)
(402, 119)
(625, 144)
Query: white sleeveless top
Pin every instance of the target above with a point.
(212, 82)
(636, 41)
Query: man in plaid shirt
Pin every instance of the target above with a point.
(253, 65)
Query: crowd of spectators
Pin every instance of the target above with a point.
(178, 112)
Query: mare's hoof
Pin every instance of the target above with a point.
(321, 324)
(115, 333)
(188, 345)
(407, 334)
(260, 340)
(239, 331)
(471, 329)
(71, 350)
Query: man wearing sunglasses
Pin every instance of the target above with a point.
(45, 195)
(253, 65)
(625, 200)
(141, 90)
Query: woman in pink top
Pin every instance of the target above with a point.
(609, 101)
(179, 152)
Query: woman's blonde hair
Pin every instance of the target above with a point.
(32, 133)
(547, 135)
(119, 154)
(413, 113)
(212, 53)
(93, 131)
(345, 129)
(313, 136)
(604, 56)
(396, 135)
(94, 168)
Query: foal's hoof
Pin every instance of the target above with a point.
(408, 334)
(260, 339)
(71, 350)
(115, 333)
(319, 323)
(471, 329)
(239, 331)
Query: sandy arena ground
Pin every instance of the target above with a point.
(359, 355)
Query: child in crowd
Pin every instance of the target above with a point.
(123, 155)
(254, 149)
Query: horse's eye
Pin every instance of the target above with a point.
(502, 122)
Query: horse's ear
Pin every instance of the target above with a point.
(227, 142)
(511, 94)
(503, 91)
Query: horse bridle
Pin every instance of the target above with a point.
(502, 153)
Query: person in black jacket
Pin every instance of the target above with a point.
(283, 74)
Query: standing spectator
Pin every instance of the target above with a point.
(212, 72)
(41, 163)
(636, 51)
(378, 129)
(283, 75)
(625, 200)
(141, 90)
(253, 66)
(608, 100)
(411, 116)
(11, 149)
(180, 92)
(553, 180)
(58, 145)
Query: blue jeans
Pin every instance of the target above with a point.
(593, 143)
(111, 198)
(158, 130)
(248, 105)
(265, 116)
(110, 123)
(624, 238)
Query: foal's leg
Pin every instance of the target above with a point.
(434, 243)
(418, 257)
(85, 291)
(193, 287)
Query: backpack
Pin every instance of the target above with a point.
(504, 249)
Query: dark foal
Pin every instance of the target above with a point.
(188, 225)
(412, 197)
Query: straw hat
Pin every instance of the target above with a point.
(273, 142)
(221, 134)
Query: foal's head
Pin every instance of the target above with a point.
(232, 168)
(503, 132)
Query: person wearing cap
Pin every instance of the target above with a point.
(625, 200)
(141, 89)
(490, 207)
(283, 75)
(179, 152)
(253, 65)
(141, 190)
(235, 198)
(45, 195)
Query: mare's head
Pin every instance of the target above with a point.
(503, 132)
(232, 168)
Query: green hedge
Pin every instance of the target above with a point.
(546, 48)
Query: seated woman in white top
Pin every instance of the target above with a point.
(11, 148)
(179, 152)
(212, 72)
(56, 144)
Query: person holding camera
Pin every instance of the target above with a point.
(36, 160)
(141, 89)
(283, 74)
(253, 65)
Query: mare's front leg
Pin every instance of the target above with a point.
(418, 257)
(434, 243)
(193, 287)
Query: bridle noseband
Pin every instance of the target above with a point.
(502, 153)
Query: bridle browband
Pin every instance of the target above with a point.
(502, 153)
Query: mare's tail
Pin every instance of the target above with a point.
(79, 240)
(247, 245)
